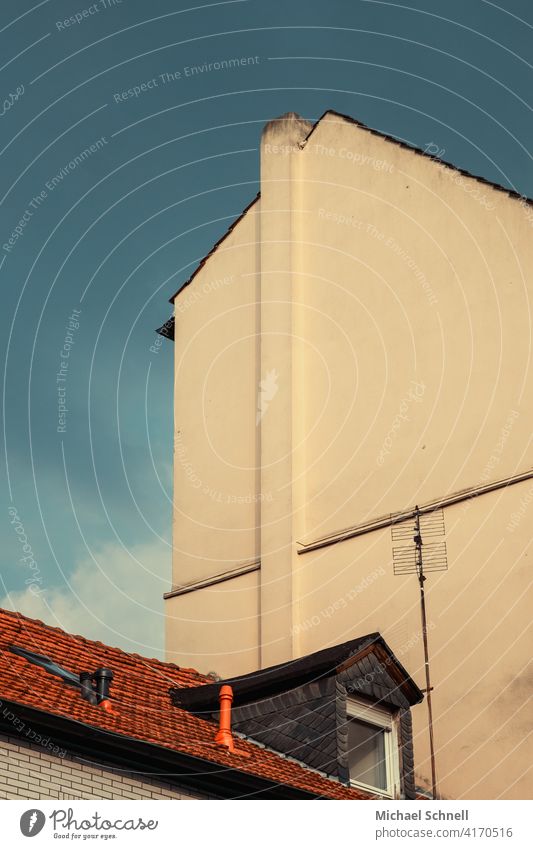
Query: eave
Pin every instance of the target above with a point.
(117, 750)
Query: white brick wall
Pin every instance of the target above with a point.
(29, 771)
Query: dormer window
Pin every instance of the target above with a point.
(372, 749)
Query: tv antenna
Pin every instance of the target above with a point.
(407, 560)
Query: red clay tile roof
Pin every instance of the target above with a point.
(140, 695)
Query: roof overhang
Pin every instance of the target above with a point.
(121, 751)
(282, 677)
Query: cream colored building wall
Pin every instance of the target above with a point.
(479, 633)
(216, 481)
(216, 628)
(280, 363)
(406, 287)
(31, 772)
(217, 485)
(448, 351)
(417, 287)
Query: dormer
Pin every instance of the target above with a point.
(343, 711)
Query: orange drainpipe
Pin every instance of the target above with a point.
(223, 736)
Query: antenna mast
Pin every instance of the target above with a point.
(407, 560)
(421, 579)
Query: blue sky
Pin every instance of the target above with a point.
(172, 161)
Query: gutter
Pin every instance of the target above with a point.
(185, 772)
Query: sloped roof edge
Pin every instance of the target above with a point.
(420, 152)
(380, 134)
(214, 248)
(284, 676)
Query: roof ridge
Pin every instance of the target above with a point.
(16, 615)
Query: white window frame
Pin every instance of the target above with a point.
(383, 719)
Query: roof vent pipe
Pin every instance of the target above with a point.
(223, 736)
(103, 678)
(86, 685)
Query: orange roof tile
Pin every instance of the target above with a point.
(140, 697)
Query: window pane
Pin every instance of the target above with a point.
(366, 754)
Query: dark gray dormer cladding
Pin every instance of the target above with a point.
(302, 708)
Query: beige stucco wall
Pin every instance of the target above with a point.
(420, 297)
(216, 628)
(28, 771)
(463, 339)
(402, 297)
(479, 633)
(215, 439)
